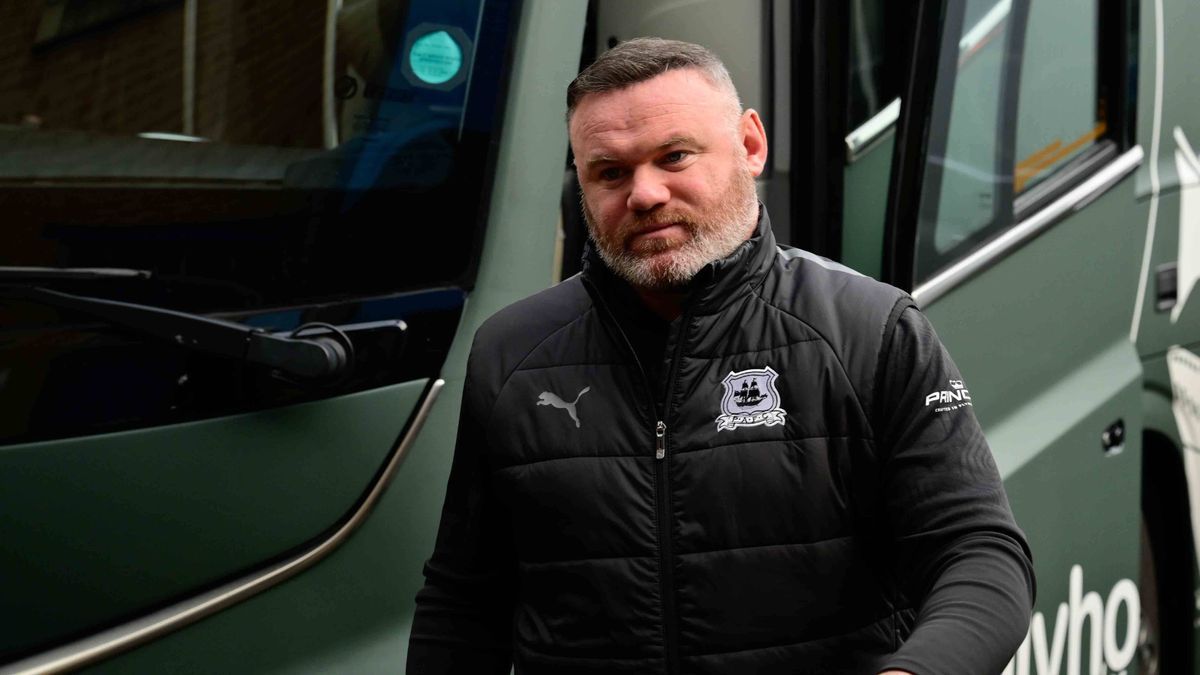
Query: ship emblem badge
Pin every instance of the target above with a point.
(750, 400)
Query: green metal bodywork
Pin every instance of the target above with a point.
(113, 525)
(351, 612)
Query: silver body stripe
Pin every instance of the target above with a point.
(109, 643)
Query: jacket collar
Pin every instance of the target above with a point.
(716, 284)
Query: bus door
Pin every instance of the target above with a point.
(1014, 219)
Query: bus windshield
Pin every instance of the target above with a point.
(281, 152)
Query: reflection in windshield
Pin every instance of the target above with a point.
(261, 87)
(983, 27)
(283, 147)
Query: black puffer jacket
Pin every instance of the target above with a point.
(837, 513)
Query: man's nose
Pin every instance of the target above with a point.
(647, 189)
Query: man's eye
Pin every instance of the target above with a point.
(611, 173)
(675, 157)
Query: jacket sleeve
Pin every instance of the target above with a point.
(956, 552)
(463, 619)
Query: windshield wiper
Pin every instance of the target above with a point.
(36, 275)
(312, 352)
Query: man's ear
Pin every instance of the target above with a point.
(754, 140)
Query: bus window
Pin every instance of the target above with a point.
(878, 36)
(273, 162)
(1061, 56)
(1021, 101)
(877, 41)
(291, 151)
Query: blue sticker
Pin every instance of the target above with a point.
(435, 58)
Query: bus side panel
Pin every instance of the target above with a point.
(1042, 341)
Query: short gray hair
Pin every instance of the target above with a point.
(645, 58)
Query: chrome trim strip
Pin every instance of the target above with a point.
(862, 139)
(113, 641)
(990, 21)
(998, 248)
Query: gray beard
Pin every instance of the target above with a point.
(713, 236)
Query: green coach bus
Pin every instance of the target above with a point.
(244, 247)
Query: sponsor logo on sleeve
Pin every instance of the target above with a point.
(957, 396)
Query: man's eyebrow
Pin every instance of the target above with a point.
(679, 140)
(600, 159)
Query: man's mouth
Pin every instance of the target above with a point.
(656, 236)
(662, 228)
(654, 227)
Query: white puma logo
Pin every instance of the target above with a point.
(550, 398)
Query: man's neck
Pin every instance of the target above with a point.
(666, 304)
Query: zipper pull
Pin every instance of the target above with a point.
(660, 440)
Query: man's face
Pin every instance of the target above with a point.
(667, 168)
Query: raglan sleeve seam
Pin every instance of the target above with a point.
(882, 363)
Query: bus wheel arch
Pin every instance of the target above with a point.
(1166, 560)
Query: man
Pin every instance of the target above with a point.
(707, 454)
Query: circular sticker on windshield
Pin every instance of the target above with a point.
(436, 56)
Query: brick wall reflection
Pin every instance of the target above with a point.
(257, 72)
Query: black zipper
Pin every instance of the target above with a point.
(662, 481)
(666, 577)
(612, 319)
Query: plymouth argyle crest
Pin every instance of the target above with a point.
(750, 400)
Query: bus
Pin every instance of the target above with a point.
(245, 247)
